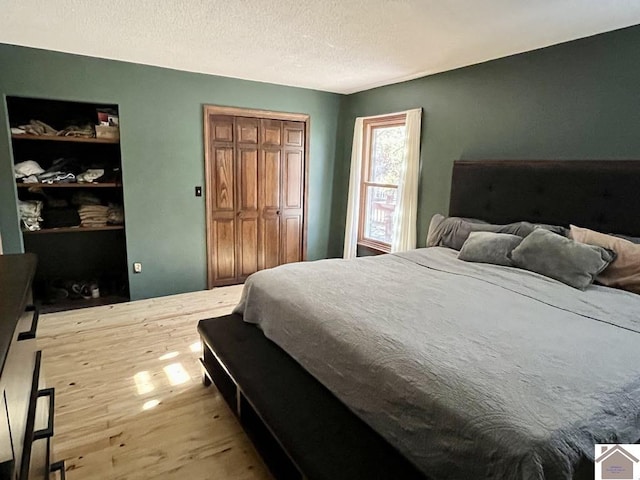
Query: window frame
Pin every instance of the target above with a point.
(369, 125)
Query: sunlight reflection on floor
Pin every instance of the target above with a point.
(143, 382)
(175, 373)
(150, 404)
(168, 356)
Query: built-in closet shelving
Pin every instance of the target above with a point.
(93, 256)
(64, 139)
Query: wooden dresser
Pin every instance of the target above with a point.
(26, 405)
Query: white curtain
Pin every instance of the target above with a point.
(406, 216)
(353, 202)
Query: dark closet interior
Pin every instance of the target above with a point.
(82, 259)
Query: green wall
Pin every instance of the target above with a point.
(579, 100)
(162, 153)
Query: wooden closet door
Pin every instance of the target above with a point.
(292, 206)
(221, 195)
(255, 174)
(270, 174)
(247, 150)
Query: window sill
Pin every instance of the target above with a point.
(375, 247)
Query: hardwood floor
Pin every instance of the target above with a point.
(129, 399)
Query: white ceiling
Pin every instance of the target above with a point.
(334, 45)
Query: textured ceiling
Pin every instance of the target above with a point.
(335, 45)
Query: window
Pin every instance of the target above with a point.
(383, 183)
(382, 166)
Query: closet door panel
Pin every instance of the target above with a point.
(247, 213)
(271, 133)
(247, 130)
(292, 210)
(270, 178)
(222, 128)
(291, 239)
(270, 181)
(223, 258)
(248, 175)
(293, 180)
(248, 248)
(294, 134)
(221, 195)
(270, 184)
(247, 147)
(271, 242)
(223, 180)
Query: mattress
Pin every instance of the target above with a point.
(470, 370)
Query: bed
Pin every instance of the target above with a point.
(447, 369)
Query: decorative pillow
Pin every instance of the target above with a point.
(452, 232)
(433, 234)
(635, 240)
(489, 247)
(561, 258)
(523, 229)
(449, 232)
(624, 271)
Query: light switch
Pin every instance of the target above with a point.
(198, 191)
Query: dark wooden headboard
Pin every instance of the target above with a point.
(603, 195)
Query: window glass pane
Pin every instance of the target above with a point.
(387, 154)
(379, 209)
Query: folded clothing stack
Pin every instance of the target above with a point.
(61, 217)
(93, 215)
(35, 127)
(85, 198)
(27, 169)
(38, 127)
(62, 170)
(58, 214)
(30, 211)
(115, 215)
(90, 175)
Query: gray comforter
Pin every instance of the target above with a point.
(470, 370)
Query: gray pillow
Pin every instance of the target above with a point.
(561, 258)
(449, 232)
(489, 247)
(452, 232)
(523, 229)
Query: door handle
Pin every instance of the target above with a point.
(58, 467)
(46, 432)
(31, 333)
(277, 212)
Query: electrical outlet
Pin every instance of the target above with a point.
(137, 267)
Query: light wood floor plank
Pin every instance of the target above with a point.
(129, 399)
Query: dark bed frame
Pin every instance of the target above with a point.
(298, 426)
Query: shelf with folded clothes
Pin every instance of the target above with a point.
(77, 229)
(56, 138)
(65, 170)
(60, 212)
(71, 185)
(70, 196)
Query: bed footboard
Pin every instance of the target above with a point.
(297, 425)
